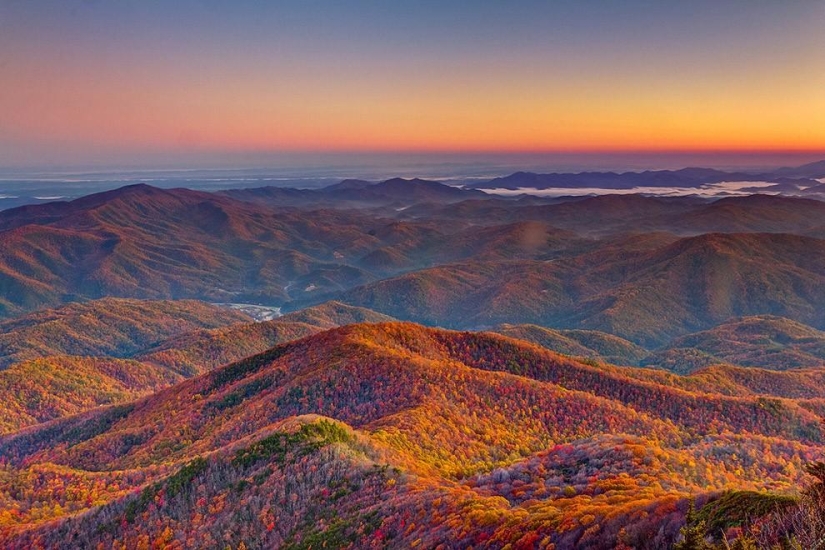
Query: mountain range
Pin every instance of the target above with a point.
(576, 265)
(445, 367)
(797, 180)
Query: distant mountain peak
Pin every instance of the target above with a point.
(811, 170)
(132, 190)
(411, 181)
(136, 189)
(418, 189)
(349, 185)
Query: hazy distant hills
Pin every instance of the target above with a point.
(812, 170)
(687, 177)
(795, 180)
(429, 436)
(396, 192)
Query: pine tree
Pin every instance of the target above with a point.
(693, 533)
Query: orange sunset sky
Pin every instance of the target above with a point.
(82, 80)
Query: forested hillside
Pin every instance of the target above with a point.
(446, 436)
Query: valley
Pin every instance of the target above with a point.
(403, 364)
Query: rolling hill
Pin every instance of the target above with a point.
(647, 296)
(767, 342)
(334, 314)
(198, 351)
(39, 390)
(425, 437)
(754, 213)
(581, 343)
(149, 243)
(578, 264)
(144, 242)
(699, 282)
(605, 216)
(473, 294)
(46, 378)
(109, 327)
(764, 341)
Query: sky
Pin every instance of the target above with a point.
(191, 82)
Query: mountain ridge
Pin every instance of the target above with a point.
(690, 177)
(172, 445)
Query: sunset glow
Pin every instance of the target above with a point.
(82, 80)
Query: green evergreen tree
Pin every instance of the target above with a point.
(693, 533)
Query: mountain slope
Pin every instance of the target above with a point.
(764, 341)
(334, 314)
(144, 242)
(55, 385)
(107, 327)
(647, 296)
(612, 215)
(754, 213)
(478, 439)
(473, 294)
(320, 458)
(810, 170)
(581, 343)
(202, 350)
(39, 390)
(699, 282)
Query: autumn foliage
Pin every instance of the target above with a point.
(396, 435)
